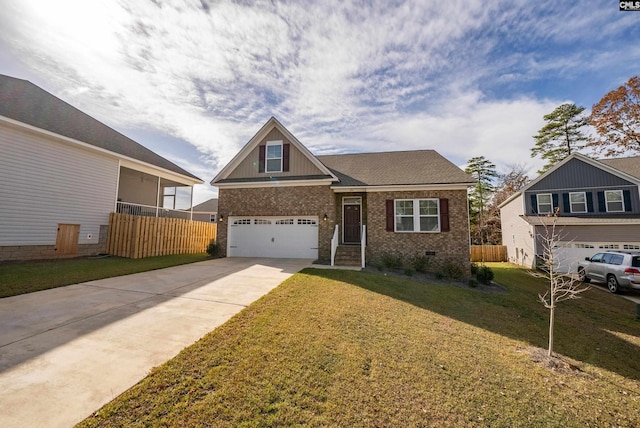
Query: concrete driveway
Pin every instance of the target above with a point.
(66, 352)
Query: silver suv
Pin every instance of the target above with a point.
(618, 269)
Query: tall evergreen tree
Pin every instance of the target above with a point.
(484, 172)
(561, 136)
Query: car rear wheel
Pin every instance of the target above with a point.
(612, 284)
(582, 276)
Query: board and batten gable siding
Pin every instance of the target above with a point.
(577, 174)
(46, 182)
(299, 164)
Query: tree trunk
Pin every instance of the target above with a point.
(551, 317)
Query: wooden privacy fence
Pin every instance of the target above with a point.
(139, 236)
(492, 253)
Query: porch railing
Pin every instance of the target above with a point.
(150, 211)
(363, 244)
(334, 245)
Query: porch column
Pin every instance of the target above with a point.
(158, 197)
(191, 205)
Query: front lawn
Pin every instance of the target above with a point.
(347, 349)
(27, 277)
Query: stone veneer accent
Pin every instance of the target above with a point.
(44, 252)
(449, 247)
(280, 201)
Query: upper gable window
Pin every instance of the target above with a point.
(274, 156)
(578, 202)
(614, 201)
(545, 203)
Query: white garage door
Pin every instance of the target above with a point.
(293, 237)
(568, 255)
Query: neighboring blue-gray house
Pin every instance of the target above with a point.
(598, 203)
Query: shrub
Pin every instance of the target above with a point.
(421, 263)
(439, 275)
(213, 249)
(474, 268)
(453, 271)
(408, 272)
(484, 275)
(392, 261)
(472, 283)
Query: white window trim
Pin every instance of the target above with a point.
(416, 216)
(266, 155)
(606, 201)
(584, 196)
(550, 203)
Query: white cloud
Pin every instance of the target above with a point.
(343, 76)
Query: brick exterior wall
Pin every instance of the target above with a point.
(280, 201)
(449, 247)
(44, 252)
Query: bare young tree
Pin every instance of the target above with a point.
(561, 286)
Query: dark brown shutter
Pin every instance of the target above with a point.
(390, 215)
(285, 157)
(444, 215)
(261, 159)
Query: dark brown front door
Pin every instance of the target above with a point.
(351, 224)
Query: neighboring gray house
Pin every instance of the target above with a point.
(206, 211)
(598, 203)
(277, 199)
(63, 172)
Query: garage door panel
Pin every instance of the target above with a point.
(276, 237)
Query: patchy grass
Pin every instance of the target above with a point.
(27, 277)
(338, 348)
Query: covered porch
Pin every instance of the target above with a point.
(147, 193)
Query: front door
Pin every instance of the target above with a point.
(351, 224)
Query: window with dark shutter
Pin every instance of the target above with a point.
(627, 200)
(285, 157)
(534, 204)
(444, 215)
(589, 202)
(602, 204)
(262, 151)
(390, 215)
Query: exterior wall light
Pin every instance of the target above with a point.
(325, 218)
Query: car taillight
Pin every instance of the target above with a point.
(632, 270)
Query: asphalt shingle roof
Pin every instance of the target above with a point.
(630, 165)
(25, 102)
(394, 168)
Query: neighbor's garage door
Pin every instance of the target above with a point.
(278, 237)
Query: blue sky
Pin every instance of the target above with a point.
(194, 80)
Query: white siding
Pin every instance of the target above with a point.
(44, 182)
(516, 234)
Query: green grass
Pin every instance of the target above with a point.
(352, 349)
(27, 277)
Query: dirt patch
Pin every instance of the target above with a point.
(554, 363)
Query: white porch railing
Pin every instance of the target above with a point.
(363, 243)
(150, 211)
(334, 245)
